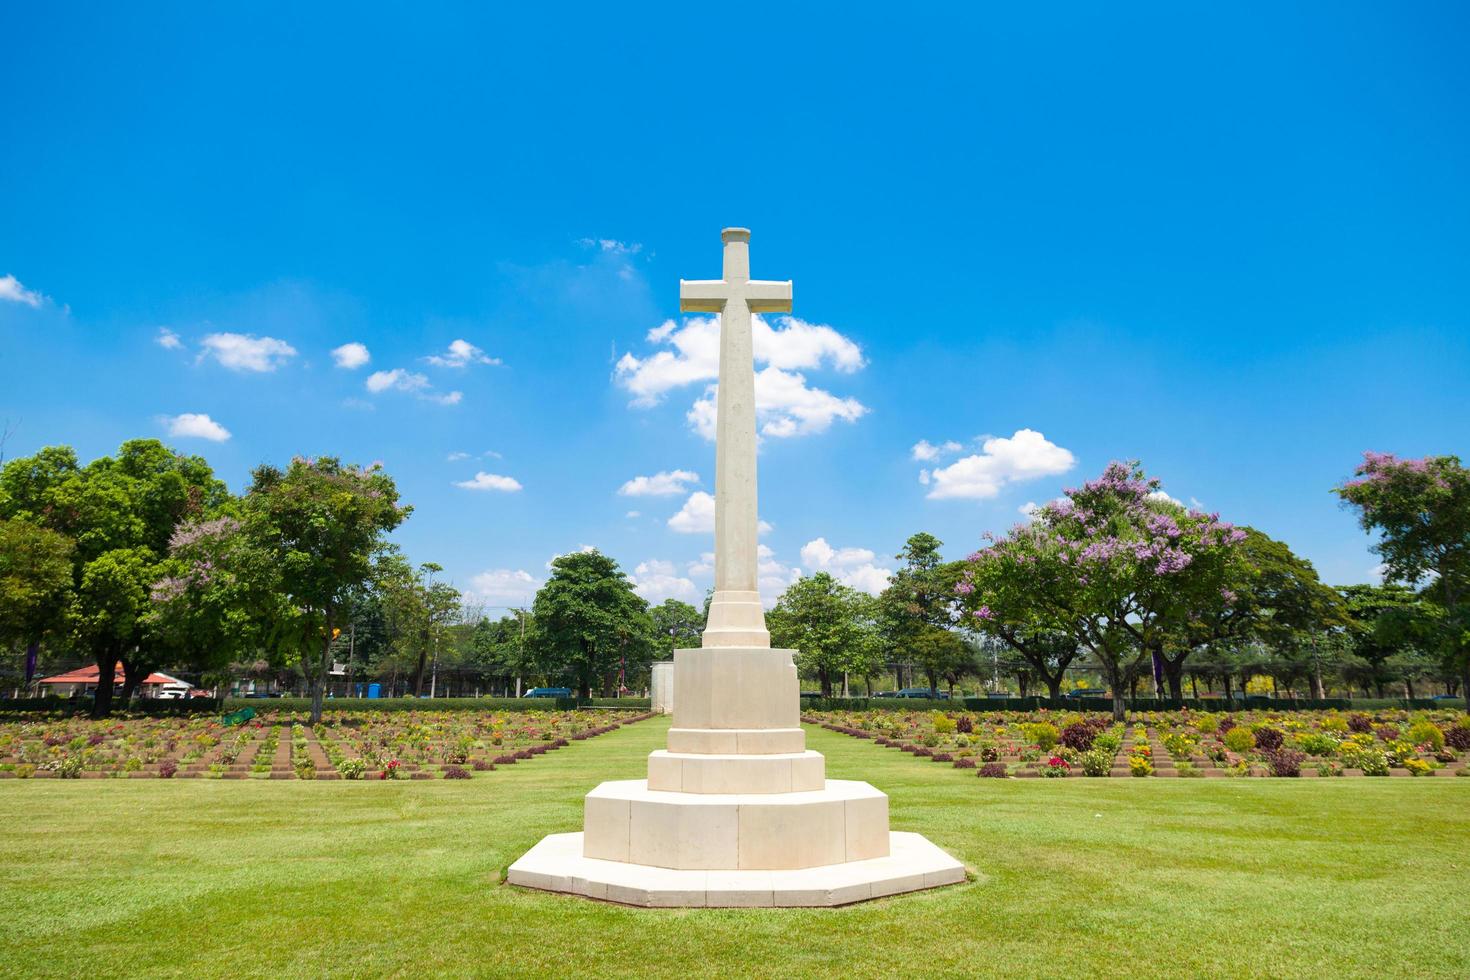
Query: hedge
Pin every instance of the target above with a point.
(147, 707)
(1133, 704)
(438, 704)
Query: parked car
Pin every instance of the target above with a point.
(1083, 692)
(548, 692)
(811, 694)
(1446, 697)
(923, 692)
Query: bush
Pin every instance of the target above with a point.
(1317, 743)
(1373, 763)
(1269, 739)
(455, 772)
(1188, 770)
(1056, 766)
(943, 723)
(1079, 736)
(1097, 762)
(964, 763)
(1239, 740)
(480, 765)
(505, 760)
(1225, 724)
(70, 767)
(1426, 733)
(305, 769)
(964, 724)
(1139, 765)
(167, 768)
(1360, 723)
(993, 770)
(1207, 724)
(1179, 745)
(352, 768)
(1109, 742)
(1458, 737)
(1285, 762)
(1043, 734)
(1418, 767)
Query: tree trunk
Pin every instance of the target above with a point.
(825, 680)
(1174, 674)
(1194, 686)
(1409, 688)
(1227, 690)
(1317, 691)
(933, 676)
(133, 676)
(106, 671)
(1054, 686)
(418, 673)
(319, 682)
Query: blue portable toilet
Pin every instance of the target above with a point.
(375, 690)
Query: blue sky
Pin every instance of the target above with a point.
(1232, 243)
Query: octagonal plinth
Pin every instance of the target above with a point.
(558, 864)
(844, 821)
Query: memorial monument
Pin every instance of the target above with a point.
(736, 811)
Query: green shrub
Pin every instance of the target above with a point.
(1043, 734)
(1240, 740)
(1139, 765)
(943, 723)
(1109, 742)
(1318, 744)
(1096, 762)
(305, 769)
(1427, 733)
(352, 768)
(1207, 724)
(1188, 770)
(1418, 767)
(1179, 745)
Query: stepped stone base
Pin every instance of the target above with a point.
(912, 863)
(626, 821)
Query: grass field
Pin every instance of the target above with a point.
(1070, 877)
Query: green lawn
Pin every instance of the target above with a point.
(1125, 877)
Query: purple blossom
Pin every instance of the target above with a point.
(984, 613)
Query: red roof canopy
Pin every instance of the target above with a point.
(88, 675)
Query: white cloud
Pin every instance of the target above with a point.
(1028, 509)
(703, 565)
(167, 339)
(351, 356)
(662, 484)
(191, 425)
(1026, 455)
(926, 452)
(853, 567)
(246, 352)
(657, 580)
(784, 407)
(697, 516)
(461, 353)
(1161, 495)
(456, 457)
(632, 514)
(611, 245)
(785, 404)
(13, 292)
(451, 398)
(504, 587)
(772, 576)
(490, 481)
(397, 379)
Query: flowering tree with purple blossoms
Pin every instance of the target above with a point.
(1113, 564)
(1420, 508)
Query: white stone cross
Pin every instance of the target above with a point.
(736, 618)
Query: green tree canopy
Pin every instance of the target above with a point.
(589, 622)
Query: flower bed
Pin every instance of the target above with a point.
(280, 745)
(1179, 744)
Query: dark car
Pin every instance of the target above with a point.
(1083, 692)
(923, 692)
(548, 692)
(811, 694)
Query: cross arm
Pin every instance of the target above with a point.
(765, 296)
(703, 295)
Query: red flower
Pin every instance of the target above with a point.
(1057, 762)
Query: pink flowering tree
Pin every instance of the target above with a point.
(1420, 508)
(1114, 564)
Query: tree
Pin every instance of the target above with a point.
(678, 622)
(919, 599)
(1420, 508)
(320, 522)
(1382, 621)
(1102, 566)
(420, 610)
(828, 624)
(589, 621)
(121, 513)
(35, 585)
